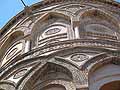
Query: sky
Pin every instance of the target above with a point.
(9, 8)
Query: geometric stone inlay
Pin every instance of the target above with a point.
(12, 52)
(79, 57)
(19, 73)
(7, 86)
(52, 31)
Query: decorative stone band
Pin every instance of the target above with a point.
(55, 37)
(48, 2)
(98, 35)
(105, 44)
(67, 84)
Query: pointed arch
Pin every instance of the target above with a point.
(103, 73)
(95, 59)
(12, 38)
(99, 14)
(11, 42)
(49, 25)
(103, 62)
(98, 24)
(48, 16)
(44, 73)
(98, 61)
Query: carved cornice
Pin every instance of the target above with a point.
(76, 43)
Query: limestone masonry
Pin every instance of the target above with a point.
(62, 45)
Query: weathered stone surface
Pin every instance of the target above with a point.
(62, 45)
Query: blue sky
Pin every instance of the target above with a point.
(9, 8)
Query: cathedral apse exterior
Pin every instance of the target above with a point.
(62, 45)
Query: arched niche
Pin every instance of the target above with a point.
(115, 85)
(103, 73)
(12, 41)
(97, 24)
(7, 85)
(13, 37)
(51, 27)
(49, 73)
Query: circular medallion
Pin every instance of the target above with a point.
(52, 31)
(79, 57)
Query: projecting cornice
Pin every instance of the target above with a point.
(46, 3)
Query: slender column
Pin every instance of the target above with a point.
(77, 35)
(71, 30)
(27, 46)
(76, 28)
(118, 36)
